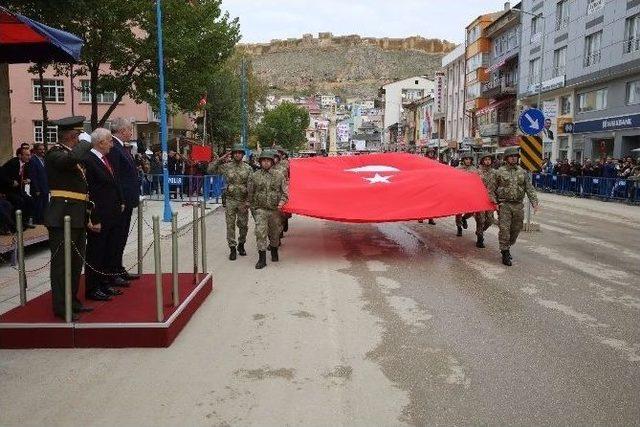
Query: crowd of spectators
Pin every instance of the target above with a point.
(624, 168)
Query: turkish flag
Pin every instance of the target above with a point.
(382, 188)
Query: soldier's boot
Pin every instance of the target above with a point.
(465, 224)
(241, 250)
(506, 259)
(262, 260)
(232, 253)
(459, 233)
(432, 222)
(274, 254)
(480, 242)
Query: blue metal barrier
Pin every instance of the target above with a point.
(191, 188)
(589, 186)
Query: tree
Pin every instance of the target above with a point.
(285, 125)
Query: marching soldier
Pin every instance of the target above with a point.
(236, 174)
(69, 196)
(282, 166)
(268, 192)
(466, 164)
(510, 185)
(484, 220)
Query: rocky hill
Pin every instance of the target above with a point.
(347, 65)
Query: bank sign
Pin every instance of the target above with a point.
(611, 123)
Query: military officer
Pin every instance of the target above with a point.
(236, 174)
(68, 191)
(268, 192)
(484, 220)
(466, 164)
(509, 187)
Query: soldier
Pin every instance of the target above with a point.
(268, 192)
(236, 174)
(484, 220)
(282, 166)
(466, 164)
(509, 187)
(68, 191)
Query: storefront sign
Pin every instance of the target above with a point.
(608, 124)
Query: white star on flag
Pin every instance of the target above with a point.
(379, 178)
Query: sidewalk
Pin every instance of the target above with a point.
(37, 257)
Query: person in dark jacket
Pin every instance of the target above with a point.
(15, 176)
(39, 188)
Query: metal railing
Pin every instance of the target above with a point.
(621, 189)
(632, 45)
(592, 59)
(189, 188)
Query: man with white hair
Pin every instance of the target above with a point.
(126, 174)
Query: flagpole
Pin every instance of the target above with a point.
(163, 116)
(204, 127)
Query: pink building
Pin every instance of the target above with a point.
(26, 110)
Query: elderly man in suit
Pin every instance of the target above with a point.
(16, 177)
(39, 188)
(127, 176)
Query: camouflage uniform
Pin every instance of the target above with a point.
(283, 167)
(484, 220)
(461, 219)
(508, 189)
(236, 175)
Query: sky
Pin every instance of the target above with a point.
(264, 20)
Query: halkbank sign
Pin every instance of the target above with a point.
(610, 123)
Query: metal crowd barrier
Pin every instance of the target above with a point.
(589, 186)
(187, 188)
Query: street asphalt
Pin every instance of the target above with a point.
(376, 325)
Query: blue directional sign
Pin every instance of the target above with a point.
(531, 121)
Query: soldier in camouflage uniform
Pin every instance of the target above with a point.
(282, 166)
(466, 164)
(510, 185)
(268, 192)
(236, 175)
(484, 220)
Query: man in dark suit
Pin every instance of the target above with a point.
(68, 190)
(127, 176)
(15, 178)
(105, 194)
(39, 188)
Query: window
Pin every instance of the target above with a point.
(103, 98)
(594, 6)
(562, 14)
(473, 34)
(52, 132)
(473, 91)
(476, 61)
(534, 71)
(592, 49)
(536, 26)
(632, 34)
(53, 90)
(592, 101)
(559, 61)
(633, 92)
(565, 105)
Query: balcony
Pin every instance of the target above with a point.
(497, 129)
(592, 59)
(497, 88)
(594, 6)
(632, 45)
(562, 22)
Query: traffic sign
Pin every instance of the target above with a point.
(531, 121)
(531, 152)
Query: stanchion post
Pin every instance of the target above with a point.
(195, 239)
(140, 235)
(22, 277)
(158, 268)
(203, 235)
(174, 259)
(67, 269)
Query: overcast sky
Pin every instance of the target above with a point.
(263, 20)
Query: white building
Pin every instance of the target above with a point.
(327, 101)
(397, 94)
(453, 63)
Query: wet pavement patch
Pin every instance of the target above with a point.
(266, 372)
(340, 371)
(303, 314)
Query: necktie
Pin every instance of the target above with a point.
(21, 173)
(107, 164)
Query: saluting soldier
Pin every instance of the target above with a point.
(510, 186)
(68, 191)
(268, 192)
(466, 164)
(484, 220)
(236, 174)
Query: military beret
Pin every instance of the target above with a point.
(70, 123)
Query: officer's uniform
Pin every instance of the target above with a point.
(68, 191)
(461, 220)
(510, 186)
(267, 189)
(236, 175)
(484, 220)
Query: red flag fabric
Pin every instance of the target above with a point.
(382, 188)
(201, 153)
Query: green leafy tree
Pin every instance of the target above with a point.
(285, 125)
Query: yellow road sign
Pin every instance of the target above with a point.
(531, 152)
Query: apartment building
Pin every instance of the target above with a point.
(455, 128)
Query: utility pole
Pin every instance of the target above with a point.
(245, 105)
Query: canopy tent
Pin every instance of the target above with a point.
(382, 188)
(23, 40)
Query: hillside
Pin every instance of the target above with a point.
(347, 66)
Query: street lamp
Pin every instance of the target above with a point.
(541, 16)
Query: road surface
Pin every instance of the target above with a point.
(378, 324)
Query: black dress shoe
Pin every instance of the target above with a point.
(129, 276)
(119, 282)
(83, 309)
(112, 292)
(74, 317)
(98, 296)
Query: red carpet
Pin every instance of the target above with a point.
(128, 320)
